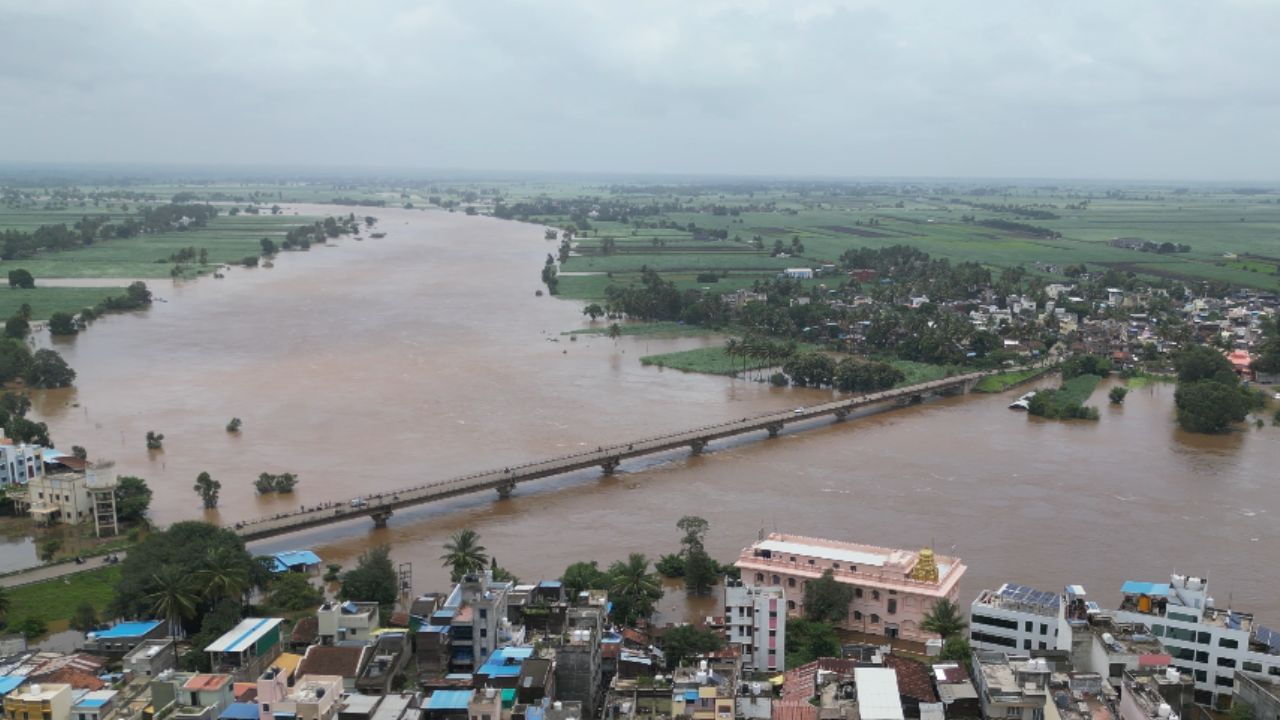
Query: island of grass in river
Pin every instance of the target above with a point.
(1004, 381)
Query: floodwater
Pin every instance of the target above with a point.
(368, 366)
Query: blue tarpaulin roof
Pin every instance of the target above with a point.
(91, 703)
(690, 695)
(8, 683)
(505, 662)
(282, 561)
(1133, 587)
(240, 711)
(450, 699)
(129, 629)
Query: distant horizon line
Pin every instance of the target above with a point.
(108, 169)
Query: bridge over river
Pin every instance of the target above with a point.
(380, 507)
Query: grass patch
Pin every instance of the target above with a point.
(918, 372)
(58, 599)
(1067, 401)
(710, 360)
(1138, 381)
(45, 301)
(1004, 381)
(662, 329)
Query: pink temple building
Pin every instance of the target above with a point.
(893, 590)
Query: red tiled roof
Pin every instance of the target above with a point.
(327, 660)
(798, 683)
(245, 691)
(635, 636)
(794, 710)
(914, 680)
(305, 631)
(78, 679)
(207, 681)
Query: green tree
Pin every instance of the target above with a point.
(207, 488)
(808, 640)
(223, 576)
(944, 619)
(32, 627)
(49, 370)
(213, 625)
(155, 440)
(4, 605)
(827, 599)
(373, 579)
(811, 369)
(633, 589)
(501, 574)
(17, 328)
(133, 498)
(234, 425)
(1209, 406)
(615, 332)
(184, 546)
(686, 641)
(582, 576)
(85, 618)
(956, 649)
(172, 597)
(292, 591)
(268, 247)
(700, 571)
(1117, 394)
(15, 359)
(20, 278)
(594, 311)
(1198, 362)
(49, 549)
(463, 554)
(670, 565)
(62, 323)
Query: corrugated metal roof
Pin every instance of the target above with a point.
(243, 636)
(450, 699)
(129, 629)
(878, 697)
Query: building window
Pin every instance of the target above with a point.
(835, 565)
(1228, 643)
(1252, 666)
(1026, 626)
(810, 561)
(857, 592)
(1202, 676)
(484, 613)
(1044, 628)
(266, 707)
(793, 558)
(875, 619)
(1203, 638)
(857, 615)
(1226, 662)
(1201, 656)
(484, 632)
(791, 582)
(1224, 681)
(994, 622)
(875, 594)
(893, 606)
(777, 580)
(1043, 646)
(1158, 630)
(791, 604)
(759, 577)
(1026, 644)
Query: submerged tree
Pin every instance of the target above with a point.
(207, 488)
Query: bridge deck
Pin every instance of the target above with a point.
(380, 505)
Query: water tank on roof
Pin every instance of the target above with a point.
(557, 705)
(1164, 711)
(701, 677)
(702, 665)
(1108, 638)
(1172, 674)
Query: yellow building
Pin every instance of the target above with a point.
(51, 701)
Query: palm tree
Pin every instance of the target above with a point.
(223, 575)
(944, 619)
(732, 347)
(173, 598)
(633, 588)
(464, 554)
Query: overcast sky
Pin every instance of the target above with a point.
(1157, 89)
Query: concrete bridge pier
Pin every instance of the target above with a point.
(505, 489)
(380, 518)
(697, 446)
(774, 428)
(608, 466)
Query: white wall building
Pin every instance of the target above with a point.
(1014, 618)
(1206, 642)
(20, 463)
(756, 617)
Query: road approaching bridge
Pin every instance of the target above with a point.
(380, 506)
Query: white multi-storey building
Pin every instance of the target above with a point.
(1014, 618)
(756, 618)
(1206, 642)
(20, 463)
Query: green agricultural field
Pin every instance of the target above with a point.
(918, 372)
(645, 329)
(709, 360)
(45, 301)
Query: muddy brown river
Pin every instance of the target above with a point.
(373, 365)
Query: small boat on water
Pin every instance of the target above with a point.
(1023, 403)
(375, 236)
